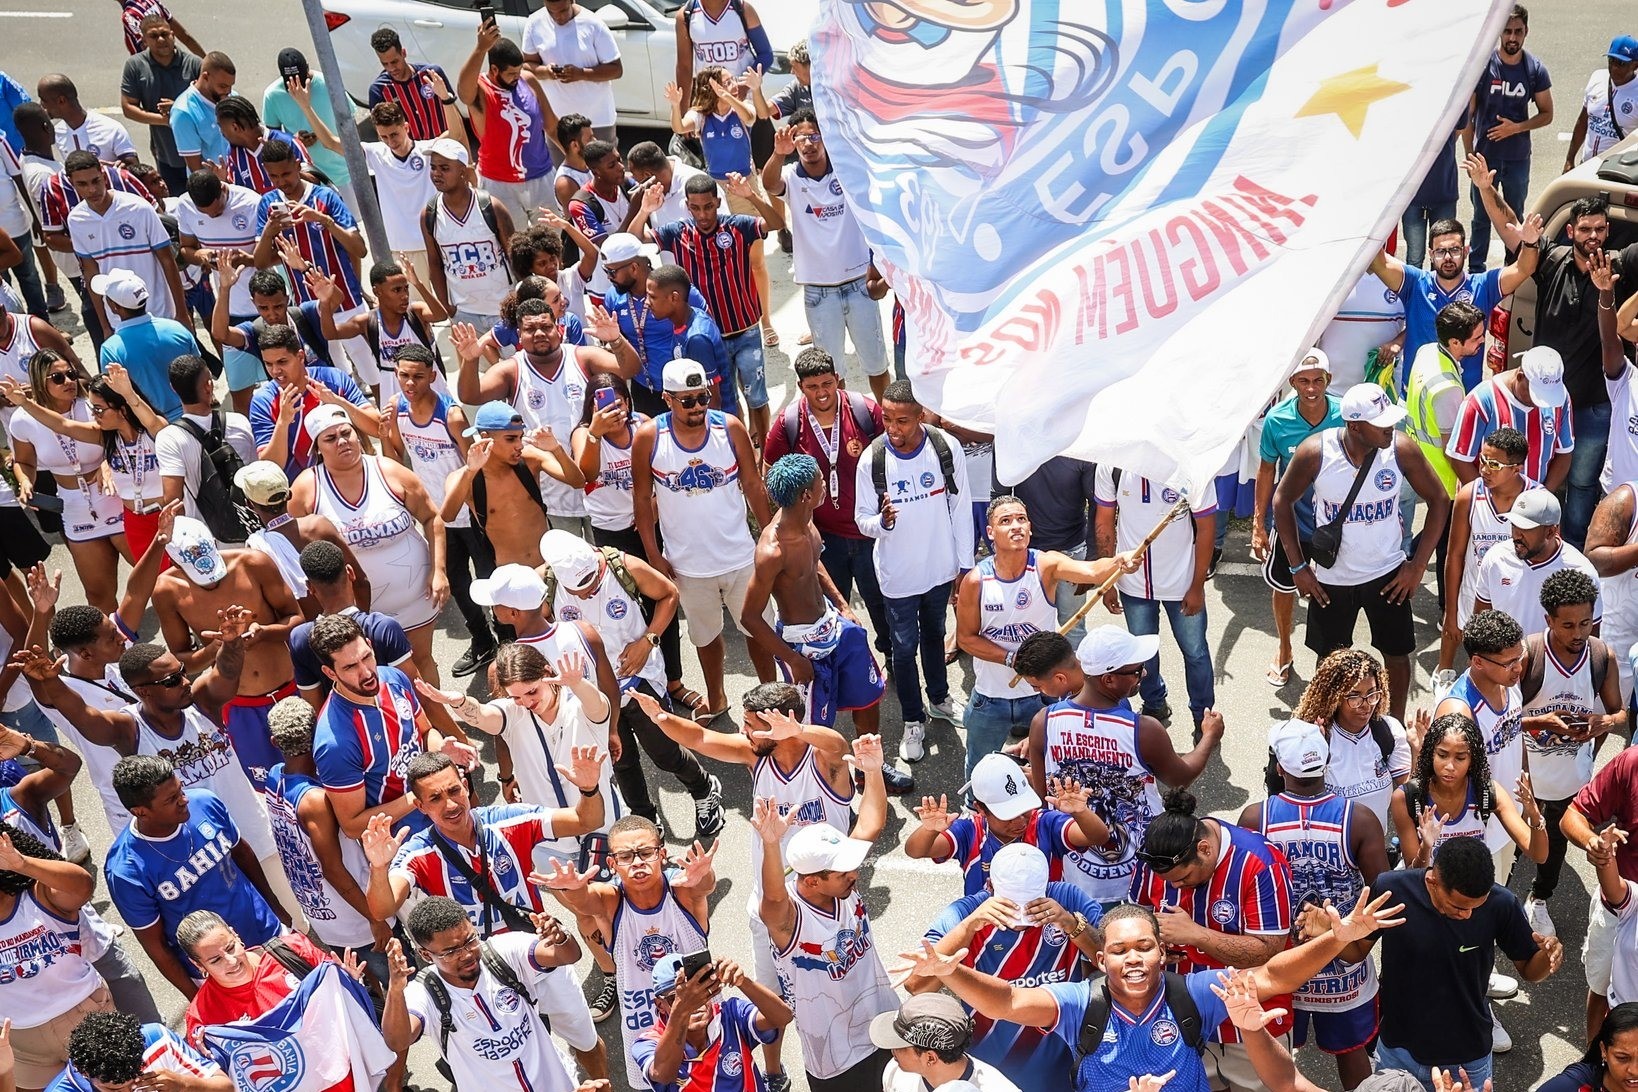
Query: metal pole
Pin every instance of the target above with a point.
(368, 210)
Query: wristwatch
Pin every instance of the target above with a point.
(449, 101)
(652, 639)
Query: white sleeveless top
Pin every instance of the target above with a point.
(721, 41)
(1372, 541)
(1469, 825)
(45, 966)
(804, 797)
(58, 453)
(832, 974)
(14, 359)
(1487, 527)
(1009, 611)
(284, 555)
(608, 496)
(618, 619)
(555, 404)
(387, 539)
(106, 694)
(474, 266)
(433, 452)
(135, 467)
(700, 500)
(640, 938)
(205, 759)
(1619, 597)
(1559, 767)
(391, 343)
(333, 917)
(1099, 748)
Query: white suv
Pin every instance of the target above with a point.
(442, 32)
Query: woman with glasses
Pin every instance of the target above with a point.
(1478, 521)
(93, 518)
(1370, 752)
(124, 426)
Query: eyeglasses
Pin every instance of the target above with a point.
(470, 943)
(62, 379)
(691, 401)
(1505, 665)
(1450, 251)
(1363, 699)
(175, 678)
(808, 138)
(645, 854)
(1495, 464)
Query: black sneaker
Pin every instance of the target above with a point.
(708, 816)
(608, 999)
(1161, 712)
(1216, 556)
(779, 1082)
(785, 246)
(897, 781)
(471, 660)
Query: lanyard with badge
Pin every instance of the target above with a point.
(829, 445)
(135, 455)
(71, 452)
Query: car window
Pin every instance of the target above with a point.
(464, 5)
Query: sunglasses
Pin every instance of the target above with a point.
(691, 401)
(62, 379)
(1163, 864)
(1495, 464)
(175, 678)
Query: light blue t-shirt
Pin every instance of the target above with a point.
(193, 124)
(280, 111)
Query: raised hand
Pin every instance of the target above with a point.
(398, 968)
(463, 755)
(548, 928)
(34, 663)
(753, 77)
(12, 742)
(1478, 171)
(769, 824)
(290, 253)
(323, 287)
(867, 754)
(1367, 917)
(1530, 231)
(1238, 991)
(585, 768)
(1527, 799)
(778, 725)
(464, 336)
(602, 325)
(543, 438)
(650, 706)
(673, 94)
(784, 142)
(934, 814)
(926, 962)
(1429, 826)
(477, 456)
(380, 844)
(571, 665)
(1603, 275)
(234, 623)
(11, 860)
(119, 379)
(739, 185)
(15, 393)
(8, 1059)
(1149, 1082)
(563, 877)
(1067, 795)
(350, 964)
(1554, 949)
(43, 590)
(697, 866)
(653, 198)
(226, 270)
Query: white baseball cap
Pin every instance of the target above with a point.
(1370, 403)
(572, 560)
(684, 376)
(445, 148)
(1312, 360)
(122, 286)
(820, 847)
(1535, 508)
(1299, 747)
(1107, 648)
(1019, 873)
(193, 549)
(623, 246)
(1544, 369)
(323, 419)
(1000, 785)
(516, 586)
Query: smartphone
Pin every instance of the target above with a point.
(45, 502)
(604, 397)
(693, 961)
(486, 14)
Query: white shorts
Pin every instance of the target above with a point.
(704, 597)
(1598, 950)
(90, 514)
(523, 199)
(559, 1000)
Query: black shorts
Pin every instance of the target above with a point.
(1393, 629)
(1277, 568)
(862, 1076)
(21, 546)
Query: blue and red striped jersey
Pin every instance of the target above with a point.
(973, 845)
(507, 836)
(317, 244)
(1489, 406)
(719, 264)
(370, 746)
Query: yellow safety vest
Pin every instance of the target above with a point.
(1425, 384)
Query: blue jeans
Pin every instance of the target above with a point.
(917, 624)
(1142, 618)
(847, 560)
(1068, 601)
(991, 721)
(1418, 219)
(1513, 180)
(31, 721)
(1388, 1057)
(1592, 437)
(28, 280)
(833, 309)
(749, 364)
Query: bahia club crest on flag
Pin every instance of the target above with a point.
(1115, 224)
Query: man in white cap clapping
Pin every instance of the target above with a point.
(929, 1037)
(1512, 573)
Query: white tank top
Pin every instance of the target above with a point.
(14, 359)
(387, 539)
(1487, 527)
(721, 41)
(45, 968)
(1372, 541)
(335, 921)
(284, 555)
(474, 266)
(1559, 767)
(1099, 748)
(433, 452)
(204, 759)
(608, 496)
(618, 619)
(555, 404)
(640, 939)
(135, 468)
(700, 500)
(1469, 825)
(832, 975)
(56, 452)
(106, 694)
(1009, 611)
(390, 344)
(1619, 595)
(803, 796)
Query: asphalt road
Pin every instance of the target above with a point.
(1546, 1020)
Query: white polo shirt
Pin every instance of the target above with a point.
(827, 246)
(98, 133)
(1514, 586)
(233, 229)
(405, 187)
(129, 235)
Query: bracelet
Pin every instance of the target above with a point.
(1080, 926)
(508, 779)
(32, 744)
(1297, 568)
(588, 793)
(1010, 657)
(1602, 306)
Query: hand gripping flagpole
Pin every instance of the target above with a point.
(1095, 596)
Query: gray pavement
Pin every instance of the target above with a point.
(1546, 1021)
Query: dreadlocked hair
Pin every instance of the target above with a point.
(1478, 767)
(15, 883)
(1337, 674)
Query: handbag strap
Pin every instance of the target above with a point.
(515, 918)
(1620, 134)
(1359, 479)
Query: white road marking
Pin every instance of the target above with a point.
(36, 15)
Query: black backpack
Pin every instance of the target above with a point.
(495, 965)
(1381, 734)
(221, 504)
(372, 336)
(480, 494)
(877, 454)
(486, 209)
(1178, 999)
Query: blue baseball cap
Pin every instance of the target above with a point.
(496, 416)
(667, 969)
(1623, 48)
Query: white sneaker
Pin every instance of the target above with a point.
(1441, 683)
(911, 749)
(1540, 921)
(1502, 987)
(1500, 1041)
(944, 710)
(75, 847)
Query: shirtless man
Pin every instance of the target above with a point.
(190, 599)
(283, 536)
(818, 642)
(500, 482)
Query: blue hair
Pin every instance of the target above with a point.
(789, 477)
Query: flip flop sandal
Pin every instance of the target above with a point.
(692, 701)
(1278, 675)
(770, 338)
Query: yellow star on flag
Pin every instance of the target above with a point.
(1349, 94)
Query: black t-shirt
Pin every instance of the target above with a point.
(1567, 320)
(1059, 498)
(1438, 965)
(148, 81)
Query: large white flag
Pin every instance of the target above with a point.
(1114, 224)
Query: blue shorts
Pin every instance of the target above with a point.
(245, 718)
(1337, 1032)
(847, 679)
(244, 370)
